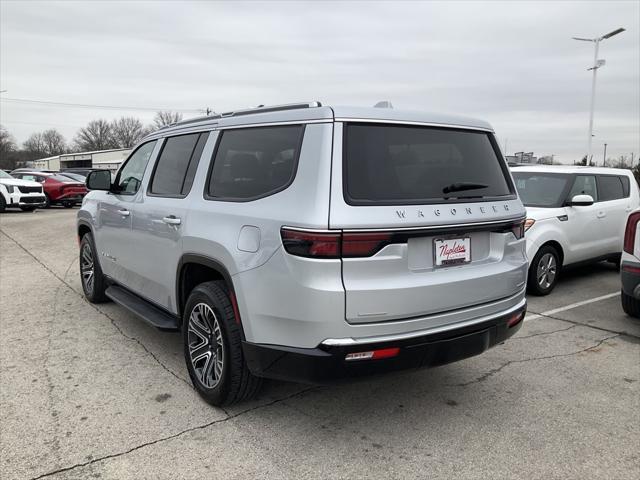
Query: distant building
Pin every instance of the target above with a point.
(107, 159)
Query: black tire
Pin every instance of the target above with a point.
(27, 209)
(47, 201)
(630, 305)
(68, 204)
(234, 383)
(94, 292)
(3, 203)
(543, 286)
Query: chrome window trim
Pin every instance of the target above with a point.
(350, 341)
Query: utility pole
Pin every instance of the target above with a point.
(596, 65)
(604, 157)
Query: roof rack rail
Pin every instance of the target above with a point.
(247, 111)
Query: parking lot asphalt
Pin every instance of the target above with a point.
(92, 392)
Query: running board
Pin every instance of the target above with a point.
(145, 310)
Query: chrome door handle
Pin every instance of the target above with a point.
(124, 213)
(171, 220)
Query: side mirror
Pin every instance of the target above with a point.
(581, 201)
(99, 180)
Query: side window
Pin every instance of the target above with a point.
(130, 175)
(251, 163)
(584, 185)
(176, 166)
(626, 186)
(610, 188)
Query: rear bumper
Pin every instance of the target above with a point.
(70, 197)
(326, 363)
(630, 278)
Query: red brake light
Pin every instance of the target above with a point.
(630, 232)
(363, 244)
(311, 244)
(515, 319)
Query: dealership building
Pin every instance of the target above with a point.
(107, 159)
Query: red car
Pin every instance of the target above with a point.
(58, 189)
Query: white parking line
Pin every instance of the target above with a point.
(569, 307)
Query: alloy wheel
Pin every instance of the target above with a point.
(206, 348)
(546, 271)
(87, 268)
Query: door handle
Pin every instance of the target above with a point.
(171, 220)
(602, 214)
(124, 213)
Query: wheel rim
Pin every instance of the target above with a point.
(87, 268)
(547, 269)
(206, 348)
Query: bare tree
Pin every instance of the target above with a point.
(55, 143)
(166, 118)
(36, 145)
(97, 135)
(7, 148)
(127, 131)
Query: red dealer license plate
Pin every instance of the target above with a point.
(452, 251)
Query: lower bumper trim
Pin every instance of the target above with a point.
(327, 363)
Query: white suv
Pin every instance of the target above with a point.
(574, 215)
(23, 194)
(309, 243)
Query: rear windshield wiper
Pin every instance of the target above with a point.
(461, 186)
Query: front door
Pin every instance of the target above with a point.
(585, 240)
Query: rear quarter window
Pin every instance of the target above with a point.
(394, 164)
(256, 162)
(610, 188)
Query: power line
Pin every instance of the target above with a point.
(86, 105)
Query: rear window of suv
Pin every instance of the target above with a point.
(393, 164)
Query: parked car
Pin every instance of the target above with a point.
(574, 215)
(310, 243)
(630, 267)
(78, 171)
(18, 193)
(58, 189)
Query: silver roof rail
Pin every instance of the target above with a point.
(247, 111)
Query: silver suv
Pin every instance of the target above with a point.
(311, 243)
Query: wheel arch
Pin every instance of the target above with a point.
(83, 229)
(555, 244)
(194, 269)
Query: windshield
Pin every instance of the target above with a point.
(541, 189)
(4, 174)
(396, 164)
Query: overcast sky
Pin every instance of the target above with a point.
(511, 63)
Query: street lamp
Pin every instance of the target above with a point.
(596, 65)
(604, 157)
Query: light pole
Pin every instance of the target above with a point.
(596, 65)
(604, 157)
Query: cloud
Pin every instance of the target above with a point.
(513, 63)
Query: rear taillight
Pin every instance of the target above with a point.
(333, 244)
(311, 244)
(518, 229)
(373, 354)
(363, 244)
(630, 232)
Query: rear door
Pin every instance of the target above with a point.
(429, 218)
(615, 203)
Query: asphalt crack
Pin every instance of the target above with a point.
(544, 333)
(111, 319)
(494, 371)
(175, 435)
(588, 325)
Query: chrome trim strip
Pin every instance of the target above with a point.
(345, 342)
(404, 122)
(406, 229)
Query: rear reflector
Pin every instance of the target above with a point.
(515, 319)
(631, 269)
(373, 354)
(630, 232)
